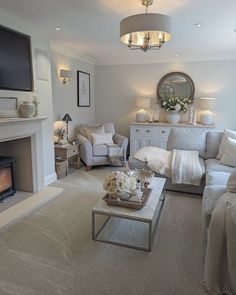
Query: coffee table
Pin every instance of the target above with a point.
(149, 214)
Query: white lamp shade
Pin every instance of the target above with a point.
(65, 74)
(142, 103)
(207, 103)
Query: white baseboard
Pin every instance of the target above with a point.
(50, 178)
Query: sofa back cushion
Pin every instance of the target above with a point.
(213, 140)
(189, 139)
(86, 129)
(231, 185)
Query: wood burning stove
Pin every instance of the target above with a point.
(7, 187)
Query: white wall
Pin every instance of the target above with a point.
(116, 87)
(65, 96)
(39, 40)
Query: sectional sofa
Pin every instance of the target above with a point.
(215, 175)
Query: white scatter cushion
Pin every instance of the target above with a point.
(227, 133)
(105, 138)
(95, 129)
(231, 185)
(211, 196)
(159, 160)
(229, 156)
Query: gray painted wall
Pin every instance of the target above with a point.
(65, 96)
(116, 87)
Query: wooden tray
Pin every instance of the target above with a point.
(129, 204)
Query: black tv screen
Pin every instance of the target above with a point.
(15, 61)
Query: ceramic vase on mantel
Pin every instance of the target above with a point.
(27, 109)
(173, 117)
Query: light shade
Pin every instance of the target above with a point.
(142, 102)
(67, 118)
(207, 103)
(145, 31)
(65, 74)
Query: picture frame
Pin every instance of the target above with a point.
(83, 89)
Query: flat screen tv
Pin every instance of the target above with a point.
(15, 60)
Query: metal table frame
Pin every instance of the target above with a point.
(151, 227)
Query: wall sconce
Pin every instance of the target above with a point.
(65, 75)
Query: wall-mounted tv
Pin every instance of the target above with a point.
(15, 60)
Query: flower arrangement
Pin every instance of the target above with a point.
(172, 103)
(118, 183)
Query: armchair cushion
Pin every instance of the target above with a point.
(94, 130)
(100, 150)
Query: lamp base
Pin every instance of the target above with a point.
(141, 117)
(207, 119)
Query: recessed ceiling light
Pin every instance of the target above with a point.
(234, 30)
(58, 29)
(199, 25)
(176, 55)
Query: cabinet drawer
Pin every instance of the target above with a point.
(62, 153)
(143, 131)
(72, 152)
(164, 132)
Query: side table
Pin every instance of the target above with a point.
(70, 153)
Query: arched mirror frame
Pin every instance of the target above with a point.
(174, 74)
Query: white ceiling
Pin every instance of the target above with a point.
(91, 27)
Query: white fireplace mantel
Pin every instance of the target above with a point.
(16, 128)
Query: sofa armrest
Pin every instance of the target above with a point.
(122, 142)
(86, 150)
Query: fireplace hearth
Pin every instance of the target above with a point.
(7, 186)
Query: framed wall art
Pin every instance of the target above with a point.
(83, 89)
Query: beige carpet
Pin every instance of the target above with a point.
(51, 251)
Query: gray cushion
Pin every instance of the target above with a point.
(217, 178)
(211, 196)
(187, 139)
(214, 165)
(231, 185)
(109, 128)
(213, 140)
(100, 150)
(202, 163)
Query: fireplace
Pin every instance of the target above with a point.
(7, 185)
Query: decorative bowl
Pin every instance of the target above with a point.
(142, 174)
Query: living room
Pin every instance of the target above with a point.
(48, 243)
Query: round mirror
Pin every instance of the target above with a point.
(175, 84)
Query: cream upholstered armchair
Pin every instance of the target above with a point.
(98, 154)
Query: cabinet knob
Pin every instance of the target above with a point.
(147, 131)
(163, 131)
(137, 130)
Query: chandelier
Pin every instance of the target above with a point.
(145, 31)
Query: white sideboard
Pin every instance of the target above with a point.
(155, 134)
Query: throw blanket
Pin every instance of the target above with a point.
(114, 154)
(220, 264)
(183, 166)
(186, 168)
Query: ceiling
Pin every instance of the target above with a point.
(91, 28)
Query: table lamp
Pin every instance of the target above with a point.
(207, 105)
(142, 103)
(67, 119)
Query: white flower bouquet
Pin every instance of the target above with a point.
(175, 104)
(119, 183)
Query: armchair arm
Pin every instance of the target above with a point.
(122, 142)
(86, 150)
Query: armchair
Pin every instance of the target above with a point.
(98, 155)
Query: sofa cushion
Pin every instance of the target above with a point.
(100, 150)
(109, 128)
(229, 156)
(213, 140)
(202, 163)
(211, 196)
(231, 184)
(214, 165)
(187, 139)
(217, 178)
(227, 133)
